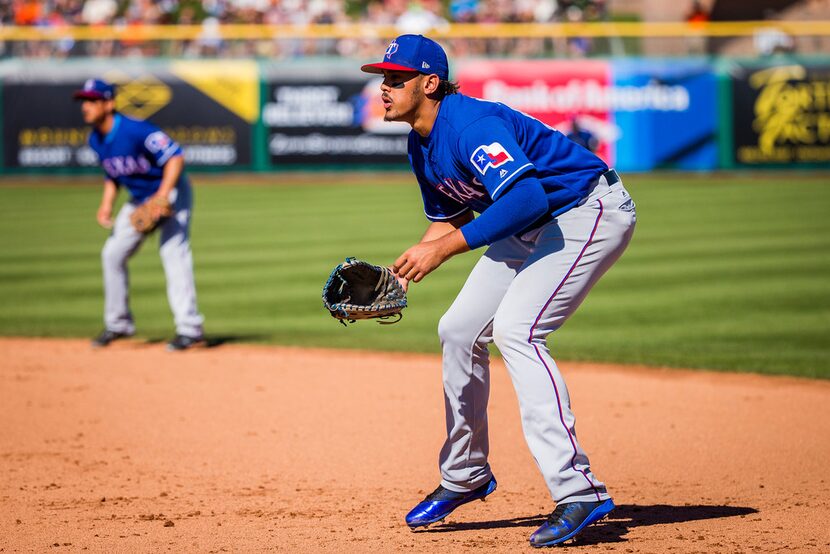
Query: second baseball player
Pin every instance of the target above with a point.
(138, 156)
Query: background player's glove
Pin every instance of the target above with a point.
(146, 217)
(359, 290)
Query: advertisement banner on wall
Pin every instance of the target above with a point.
(781, 114)
(671, 117)
(207, 107)
(642, 114)
(330, 119)
(559, 93)
(328, 113)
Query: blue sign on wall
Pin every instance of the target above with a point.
(670, 119)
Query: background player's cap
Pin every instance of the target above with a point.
(413, 53)
(95, 89)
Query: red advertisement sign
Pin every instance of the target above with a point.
(557, 92)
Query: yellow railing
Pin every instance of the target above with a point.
(361, 30)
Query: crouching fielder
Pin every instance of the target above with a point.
(555, 218)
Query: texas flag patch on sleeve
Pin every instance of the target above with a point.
(490, 155)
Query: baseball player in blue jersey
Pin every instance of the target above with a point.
(555, 218)
(140, 157)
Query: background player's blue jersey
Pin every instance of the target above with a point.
(478, 149)
(133, 154)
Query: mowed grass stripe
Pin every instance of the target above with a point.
(724, 272)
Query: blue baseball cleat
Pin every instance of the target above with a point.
(441, 502)
(569, 519)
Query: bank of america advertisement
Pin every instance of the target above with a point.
(557, 93)
(671, 118)
(643, 115)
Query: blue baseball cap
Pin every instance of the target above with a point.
(95, 89)
(413, 53)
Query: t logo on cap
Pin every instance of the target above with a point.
(391, 49)
(413, 53)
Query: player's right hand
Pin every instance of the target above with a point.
(104, 217)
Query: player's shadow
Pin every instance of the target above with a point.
(616, 525)
(212, 341)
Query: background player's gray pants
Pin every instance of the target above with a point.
(520, 291)
(174, 249)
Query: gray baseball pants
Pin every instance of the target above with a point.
(176, 257)
(521, 290)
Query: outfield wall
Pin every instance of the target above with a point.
(696, 114)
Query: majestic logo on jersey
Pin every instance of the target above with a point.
(391, 49)
(490, 155)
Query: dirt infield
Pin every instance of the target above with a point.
(241, 448)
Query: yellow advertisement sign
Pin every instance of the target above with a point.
(782, 116)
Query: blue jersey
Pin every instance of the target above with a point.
(133, 154)
(478, 149)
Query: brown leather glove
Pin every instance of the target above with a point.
(146, 217)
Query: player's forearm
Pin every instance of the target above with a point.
(438, 229)
(453, 243)
(170, 175)
(109, 194)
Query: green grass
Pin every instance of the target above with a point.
(726, 272)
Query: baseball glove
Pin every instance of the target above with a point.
(359, 290)
(146, 217)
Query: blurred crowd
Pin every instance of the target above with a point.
(407, 16)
